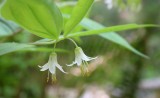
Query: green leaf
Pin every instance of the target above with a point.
(77, 15)
(40, 17)
(7, 28)
(63, 4)
(66, 8)
(11, 47)
(111, 36)
(111, 29)
(43, 42)
(45, 49)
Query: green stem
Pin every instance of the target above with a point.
(73, 42)
(54, 46)
(48, 43)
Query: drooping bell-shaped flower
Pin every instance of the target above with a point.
(51, 65)
(81, 60)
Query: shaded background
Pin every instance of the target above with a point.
(117, 73)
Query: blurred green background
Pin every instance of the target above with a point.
(117, 73)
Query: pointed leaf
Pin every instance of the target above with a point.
(7, 28)
(111, 29)
(77, 15)
(11, 47)
(111, 36)
(40, 17)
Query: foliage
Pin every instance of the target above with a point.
(50, 24)
(44, 19)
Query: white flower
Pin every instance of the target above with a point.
(51, 65)
(81, 59)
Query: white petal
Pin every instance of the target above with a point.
(82, 55)
(60, 68)
(86, 58)
(45, 67)
(90, 58)
(52, 68)
(78, 60)
(39, 66)
(71, 64)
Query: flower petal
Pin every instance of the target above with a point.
(45, 67)
(90, 58)
(78, 60)
(39, 66)
(60, 68)
(52, 68)
(85, 57)
(71, 64)
(82, 55)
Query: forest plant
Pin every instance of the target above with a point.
(44, 19)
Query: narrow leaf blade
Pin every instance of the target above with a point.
(111, 29)
(111, 36)
(11, 47)
(77, 15)
(7, 28)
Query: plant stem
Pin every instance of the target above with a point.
(73, 42)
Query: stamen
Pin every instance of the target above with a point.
(48, 76)
(86, 66)
(84, 69)
(54, 79)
